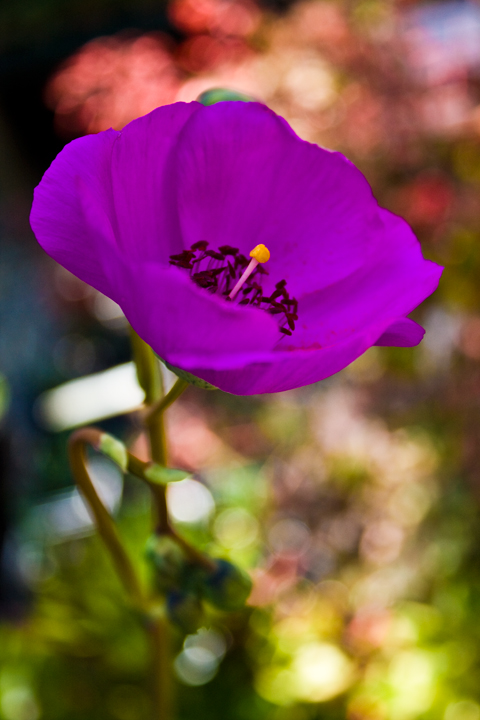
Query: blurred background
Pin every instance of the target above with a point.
(353, 503)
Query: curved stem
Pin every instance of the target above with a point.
(150, 379)
(156, 625)
(103, 520)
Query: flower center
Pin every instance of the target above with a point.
(259, 254)
(229, 273)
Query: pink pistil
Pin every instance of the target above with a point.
(248, 271)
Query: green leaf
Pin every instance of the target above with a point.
(192, 379)
(160, 475)
(114, 449)
(4, 395)
(216, 95)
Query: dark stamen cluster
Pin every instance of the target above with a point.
(218, 272)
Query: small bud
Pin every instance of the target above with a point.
(228, 587)
(216, 95)
(168, 560)
(114, 449)
(184, 610)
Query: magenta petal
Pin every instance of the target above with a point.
(188, 327)
(402, 333)
(72, 210)
(243, 177)
(113, 207)
(394, 280)
(293, 368)
(338, 323)
(112, 192)
(144, 193)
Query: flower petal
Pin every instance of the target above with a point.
(338, 323)
(393, 282)
(294, 368)
(245, 178)
(402, 333)
(143, 168)
(113, 207)
(72, 210)
(186, 325)
(109, 192)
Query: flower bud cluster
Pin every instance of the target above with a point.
(187, 584)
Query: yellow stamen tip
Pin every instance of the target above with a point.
(260, 253)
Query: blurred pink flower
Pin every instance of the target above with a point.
(426, 200)
(111, 81)
(224, 17)
(204, 52)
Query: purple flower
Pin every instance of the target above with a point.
(133, 212)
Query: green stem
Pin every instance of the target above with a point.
(149, 376)
(156, 626)
(150, 379)
(158, 447)
(139, 468)
(148, 369)
(104, 521)
(162, 669)
(161, 405)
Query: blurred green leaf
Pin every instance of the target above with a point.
(4, 395)
(115, 450)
